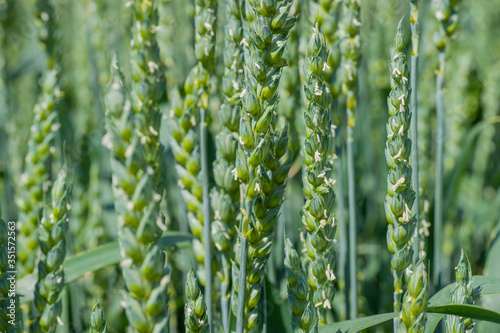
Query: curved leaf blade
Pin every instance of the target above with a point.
(358, 324)
(483, 285)
(468, 311)
(96, 259)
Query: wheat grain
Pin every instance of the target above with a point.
(97, 321)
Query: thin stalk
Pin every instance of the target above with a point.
(342, 219)
(240, 320)
(350, 50)
(352, 220)
(414, 154)
(224, 301)
(206, 215)
(414, 126)
(438, 194)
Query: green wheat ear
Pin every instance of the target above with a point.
(35, 178)
(304, 318)
(463, 293)
(263, 159)
(400, 197)
(317, 212)
(413, 314)
(97, 320)
(137, 206)
(195, 317)
(185, 125)
(52, 237)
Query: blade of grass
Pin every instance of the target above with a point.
(438, 191)
(356, 325)
(98, 258)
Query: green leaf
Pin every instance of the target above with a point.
(278, 312)
(467, 311)
(483, 285)
(491, 268)
(96, 259)
(358, 324)
(454, 177)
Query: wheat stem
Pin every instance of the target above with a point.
(447, 16)
(343, 240)
(206, 214)
(438, 191)
(415, 32)
(350, 47)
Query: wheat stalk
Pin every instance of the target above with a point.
(350, 49)
(415, 34)
(447, 17)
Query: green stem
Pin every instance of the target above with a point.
(438, 194)
(342, 218)
(414, 154)
(352, 218)
(206, 216)
(415, 34)
(398, 286)
(240, 320)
